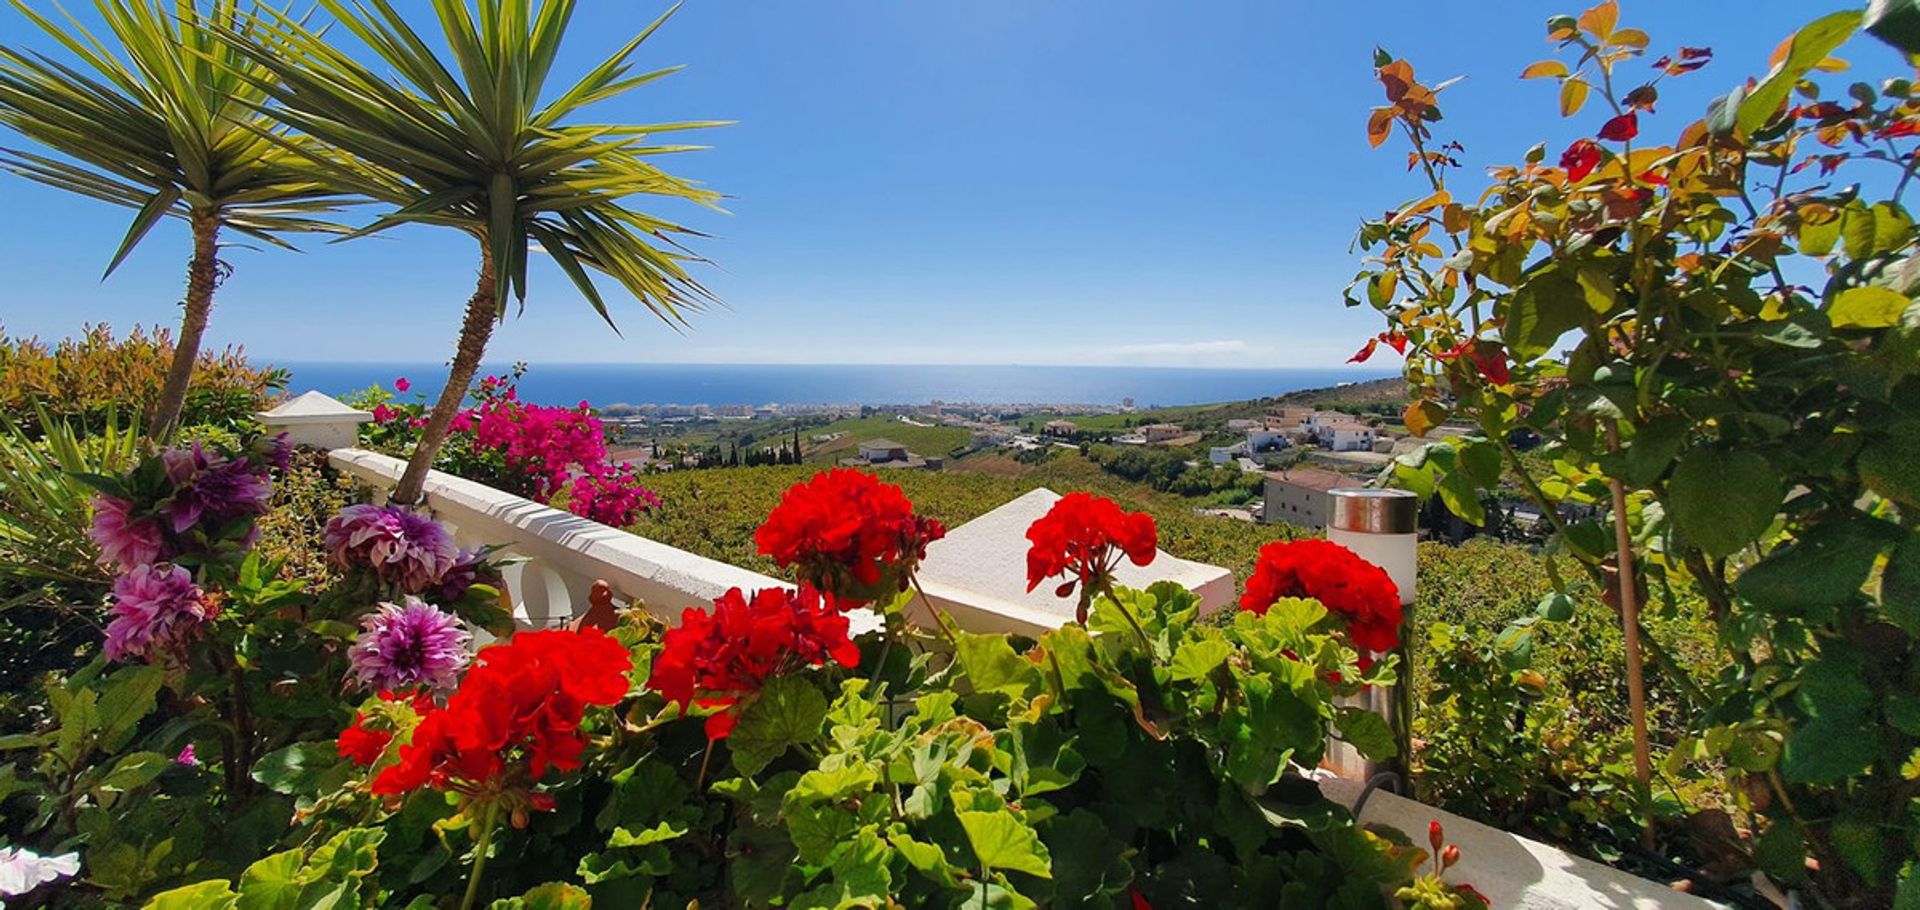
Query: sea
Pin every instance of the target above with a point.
(809, 384)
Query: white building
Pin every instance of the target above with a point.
(1225, 454)
(1350, 436)
(1264, 440)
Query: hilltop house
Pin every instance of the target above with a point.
(1299, 497)
(1065, 429)
(1161, 432)
(883, 450)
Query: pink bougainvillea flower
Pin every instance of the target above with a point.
(187, 757)
(23, 870)
(402, 385)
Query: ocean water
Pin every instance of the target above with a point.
(757, 384)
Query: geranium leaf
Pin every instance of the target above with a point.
(788, 711)
(1002, 841)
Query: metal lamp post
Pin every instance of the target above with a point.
(1382, 527)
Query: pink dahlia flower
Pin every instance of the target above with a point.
(405, 549)
(407, 645)
(124, 540)
(155, 608)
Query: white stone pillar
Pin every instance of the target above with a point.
(317, 420)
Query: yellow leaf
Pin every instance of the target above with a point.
(1573, 94)
(1868, 308)
(1600, 20)
(1833, 65)
(1439, 197)
(1379, 125)
(1544, 69)
(1630, 37)
(1422, 416)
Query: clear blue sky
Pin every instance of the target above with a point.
(974, 181)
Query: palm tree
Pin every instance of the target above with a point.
(170, 129)
(473, 146)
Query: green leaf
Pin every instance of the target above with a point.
(1367, 732)
(274, 882)
(299, 769)
(1825, 568)
(991, 665)
(1723, 500)
(1827, 750)
(1043, 758)
(660, 833)
(209, 895)
(1196, 660)
(1890, 464)
(1810, 45)
(1462, 497)
(1653, 449)
(788, 712)
(1868, 308)
(550, 896)
(1900, 586)
(135, 770)
(1002, 841)
(128, 698)
(1555, 607)
(1090, 867)
(1546, 307)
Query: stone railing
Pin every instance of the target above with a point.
(558, 558)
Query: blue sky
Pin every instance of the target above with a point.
(974, 181)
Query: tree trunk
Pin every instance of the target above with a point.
(203, 275)
(472, 346)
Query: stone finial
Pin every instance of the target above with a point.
(600, 612)
(317, 420)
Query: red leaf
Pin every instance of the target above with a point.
(1365, 352)
(1621, 128)
(1580, 159)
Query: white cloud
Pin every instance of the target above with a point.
(1183, 349)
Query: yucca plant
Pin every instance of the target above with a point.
(168, 125)
(45, 506)
(476, 144)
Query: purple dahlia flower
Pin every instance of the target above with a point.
(403, 548)
(407, 645)
(155, 608)
(124, 540)
(212, 487)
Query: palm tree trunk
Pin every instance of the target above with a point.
(474, 332)
(203, 275)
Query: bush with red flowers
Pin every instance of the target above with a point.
(722, 658)
(1357, 591)
(1085, 536)
(516, 714)
(847, 533)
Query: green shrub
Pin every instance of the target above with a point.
(88, 378)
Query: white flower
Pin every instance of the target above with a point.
(22, 871)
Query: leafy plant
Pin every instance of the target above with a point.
(480, 153)
(170, 126)
(1715, 424)
(85, 379)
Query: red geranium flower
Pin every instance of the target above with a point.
(1580, 159)
(1358, 591)
(720, 659)
(516, 714)
(1085, 535)
(362, 744)
(846, 533)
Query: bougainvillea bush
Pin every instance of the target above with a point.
(1708, 321)
(249, 743)
(544, 453)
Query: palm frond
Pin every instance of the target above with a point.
(462, 138)
(165, 119)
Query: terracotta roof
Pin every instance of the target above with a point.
(1316, 479)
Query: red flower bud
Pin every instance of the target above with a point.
(1436, 835)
